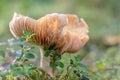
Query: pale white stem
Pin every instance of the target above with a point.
(41, 57)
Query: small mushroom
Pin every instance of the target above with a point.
(64, 30)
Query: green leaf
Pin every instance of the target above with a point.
(20, 54)
(52, 65)
(82, 65)
(29, 55)
(22, 39)
(71, 61)
(84, 73)
(52, 46)
(18, 69)
(101, 65)
(57, 57)
(25, 32)
(45, 48)
(52, 51)
(33, 68)
(60, 64)
(59, 69)
(25, 60)
(46, 53)
(2, 53)
(4, 73)
(13, 66)
(31, 39)
(78, 58)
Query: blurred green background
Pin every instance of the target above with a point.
(101, 54)
(102, 16)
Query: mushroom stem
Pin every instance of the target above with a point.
(44, 64)
(41, 56)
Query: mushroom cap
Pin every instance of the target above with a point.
(64, 30)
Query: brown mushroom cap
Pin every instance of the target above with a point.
(63, 30)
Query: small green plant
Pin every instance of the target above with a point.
(74, 70)
(21, 67)
(54, 57)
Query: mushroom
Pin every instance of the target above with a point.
(64, 30)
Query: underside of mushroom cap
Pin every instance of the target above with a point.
(64, 30)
